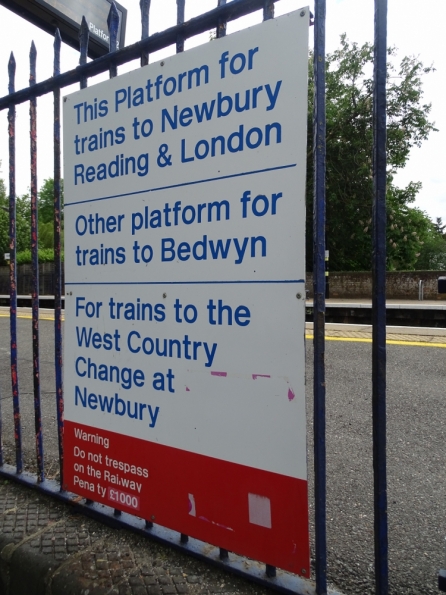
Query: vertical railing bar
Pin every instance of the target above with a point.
(180, 21)
(221, 25)
(84, 36)
(35, 265)
(57, 262)
(113, 28)
(13, 273)
(268, 10)
(319, 151)
(268, 13)
(1, 431)
(144, 6)
(180, 48)
(379, 300)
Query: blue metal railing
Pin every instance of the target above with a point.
(13, 271)
(214, 19)
(379, 298)
(319, 298)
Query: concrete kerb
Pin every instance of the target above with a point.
(401, 334)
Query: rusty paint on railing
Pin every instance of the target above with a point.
(57, 262)
(35, 266)
(180, 23)
(13, 272)
(84, 36)
(221, 25)
(144, 6)
(113, 27)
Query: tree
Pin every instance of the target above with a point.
(23, 223)
(349, 145)
(46, 212)
(23, 219)
(439, 226)
(4, 221)
(432, 256)
(46, 200)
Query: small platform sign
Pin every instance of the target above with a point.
(185, 294)
(66, 15)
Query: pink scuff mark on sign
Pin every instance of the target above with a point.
(203, 518)
(255, 376)
(191, 506)
(187, 389)
(291, 394)
(219, 373)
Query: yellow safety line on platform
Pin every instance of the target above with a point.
(389, 341)
(345, 339)
(28, 316)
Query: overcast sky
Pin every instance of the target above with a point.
(414, 28)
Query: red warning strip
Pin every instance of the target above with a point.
(248, 511)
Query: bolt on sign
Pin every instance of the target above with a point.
(184, 259)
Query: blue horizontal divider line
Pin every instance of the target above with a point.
(179, 282)
(246, 173)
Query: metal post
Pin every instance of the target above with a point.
(327, 266)
(221, 26)
(319, 297)
(144, 6)
(13, 273)
(421, 290)
(35, 264)
(1, 431)
(113, 28)
(268, 13)
(57, 260)
(379, 299)
(268, 10)
(180, 48)
(84, 35)
(180, 21)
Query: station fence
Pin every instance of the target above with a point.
(215, 19)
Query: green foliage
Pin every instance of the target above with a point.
(23, 223)
(4, 234)
(46, 213)
(349, 146)
(45, 255)
(46, 235)
(439, 226)
(432, 255)
(46, 201)
(4, 221)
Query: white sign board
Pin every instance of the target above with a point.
(185, 300)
